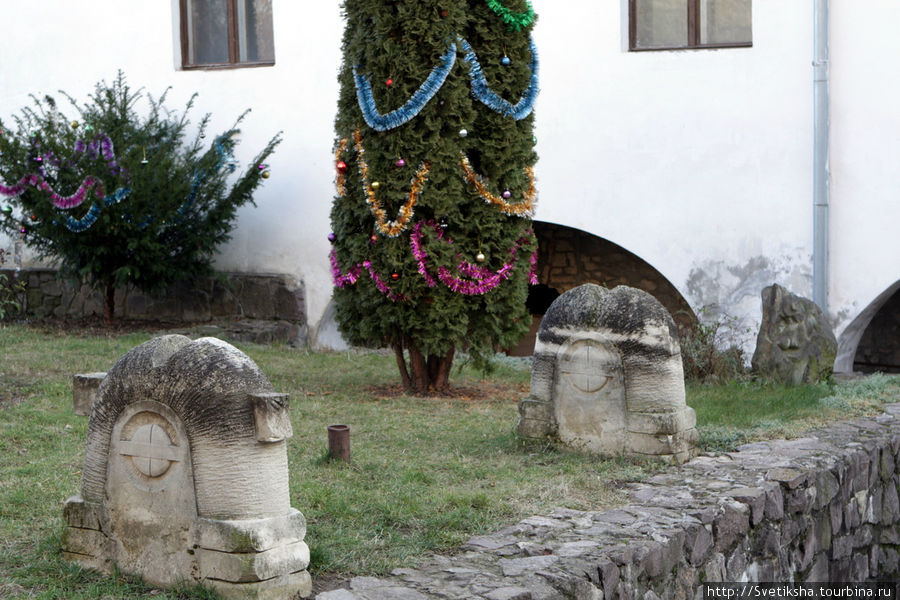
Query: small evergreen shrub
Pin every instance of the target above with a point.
(118, 197)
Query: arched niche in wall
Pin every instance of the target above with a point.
(569, 257)
(878, 348)
(867, 328)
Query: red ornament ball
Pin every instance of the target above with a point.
(341, 166)
(389, 82)
(395, 276)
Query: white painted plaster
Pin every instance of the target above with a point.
(696, 161)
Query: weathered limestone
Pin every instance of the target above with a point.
(185, 475)
(84, 390)
(607, 376)
(795, 343)
(820, 508)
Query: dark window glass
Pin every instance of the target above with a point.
(674, 24)
(221, 33)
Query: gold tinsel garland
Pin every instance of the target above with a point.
(389, 228)
(525, 208)
(341, 181)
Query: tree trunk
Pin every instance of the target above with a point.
(109, 303)
(424, 374)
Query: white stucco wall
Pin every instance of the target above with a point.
(699, 162)
(865, 154)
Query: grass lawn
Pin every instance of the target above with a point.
(426, 474)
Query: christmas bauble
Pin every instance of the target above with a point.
(463, 133)
(266, 174)
(376, 185)
(400, 163)
(479, 257)
(505, 61)
(341, 166)
(332, 237)
(507, 194)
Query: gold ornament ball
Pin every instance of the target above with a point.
(479, 257)
(74, 124)
(375, 185)
(266, 174)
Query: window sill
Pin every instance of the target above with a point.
(703, 47)
(228, 66)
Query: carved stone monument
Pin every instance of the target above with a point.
(607, 376)
(185, 474)
(795, 343)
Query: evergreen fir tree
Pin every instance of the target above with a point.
(119, 198)
(431, 229)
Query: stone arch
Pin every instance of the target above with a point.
(872, 340)
(569, 257)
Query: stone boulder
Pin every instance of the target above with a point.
(795, 343)
(607, 376)
(185, 475)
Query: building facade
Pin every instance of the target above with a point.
(680, 164)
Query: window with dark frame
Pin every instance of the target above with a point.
(680, 24)
(226, 33)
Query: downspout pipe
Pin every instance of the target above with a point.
(820, 156)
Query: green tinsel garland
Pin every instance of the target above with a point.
(515, 21)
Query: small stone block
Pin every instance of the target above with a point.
(78, 513)
(253, 566)
(84, 389)
(272, 414)
(251, 535)
(293, 585)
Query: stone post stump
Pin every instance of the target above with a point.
(185, 475)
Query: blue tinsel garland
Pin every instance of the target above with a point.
(82, 224)
(482, 91)
(413, 106)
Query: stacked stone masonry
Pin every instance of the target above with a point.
(253, 307)
(570, 257)
(820, 508)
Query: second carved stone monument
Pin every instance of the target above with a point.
(607, 376)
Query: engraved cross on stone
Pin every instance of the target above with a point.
(151, 450)
(580, 368)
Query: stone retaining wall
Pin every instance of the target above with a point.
(821, 508)
(262, 307)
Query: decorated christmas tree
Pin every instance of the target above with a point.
(432, 247)
(116, 197)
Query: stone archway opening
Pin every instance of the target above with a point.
(569, 257)
(879, 345)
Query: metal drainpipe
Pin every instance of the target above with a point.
(820, 156)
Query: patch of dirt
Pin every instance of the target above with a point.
(483, 391)
(325, 582)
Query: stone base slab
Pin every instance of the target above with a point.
(251, 535)
(253, 566)
(294, 585)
